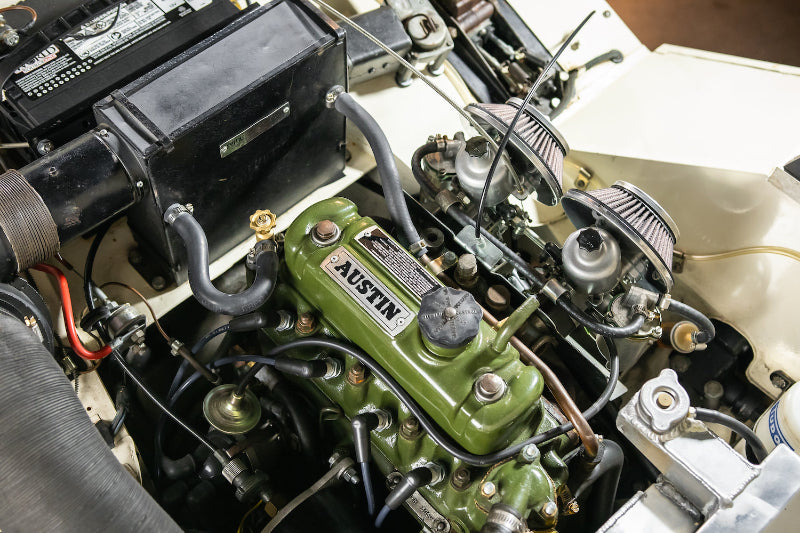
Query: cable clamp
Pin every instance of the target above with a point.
(175, 347)
(416, 247)
(553, 290)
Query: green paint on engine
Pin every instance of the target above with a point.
(442, 384)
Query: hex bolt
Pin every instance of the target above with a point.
(713, 392)
(664, 400)
(460, 479)
(529, 453)
(357, 374)
(325, 229)
(158, 283)
(305, 324)
(549, 510)
(488, 489)
(409, 428)
(680, 363)
(489, 388)
(467, 270)
(449, 258)
(326, 232)
(135, 256)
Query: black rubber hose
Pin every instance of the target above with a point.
(88, 283)
(136, 378)
(707, 330)
(387, 168)
(749, 436)
(305, 425)
(416, 166)
(57, 473)
(216, 301)
(599, 327)
(603, 481)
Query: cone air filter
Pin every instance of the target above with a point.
(634, 217)
(536, 148)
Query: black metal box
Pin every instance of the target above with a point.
(232, 125)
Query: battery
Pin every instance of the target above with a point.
(87, 52)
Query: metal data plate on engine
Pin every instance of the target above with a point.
(413, 275)
(369, 292)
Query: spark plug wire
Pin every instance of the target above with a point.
(69, 319)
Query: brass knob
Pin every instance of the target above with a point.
(263, 223)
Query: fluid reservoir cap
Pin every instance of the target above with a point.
(449, 318)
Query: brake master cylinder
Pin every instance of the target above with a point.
(364, 287)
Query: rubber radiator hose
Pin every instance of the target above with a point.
(57, 472)
(387, 167)
(194, 238)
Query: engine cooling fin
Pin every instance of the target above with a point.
(536, 148)
(632, 214)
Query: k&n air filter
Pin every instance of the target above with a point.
(536, 148)
(640, 224)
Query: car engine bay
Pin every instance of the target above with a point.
(364, 266)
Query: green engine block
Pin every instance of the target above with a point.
(363, 287)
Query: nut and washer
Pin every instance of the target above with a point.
(489, 388)
(460, 479)
(305, 324)
(325, 233)
(409, 428)
(488, 489)
(357, 374)
(549, 510)
(529, 454)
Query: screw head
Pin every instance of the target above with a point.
(45, 146)
(158, 283)
(488, 489)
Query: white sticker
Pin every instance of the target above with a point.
(363, 287)
(197, 5)
(116, 29)
(168, 5)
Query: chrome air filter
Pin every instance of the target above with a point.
(633, 216)
(536, 149)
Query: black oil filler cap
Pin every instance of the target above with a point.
(449, 318)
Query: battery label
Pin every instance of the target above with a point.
(96, 40)
(397, 261)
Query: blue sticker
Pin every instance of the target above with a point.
(775, 428)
